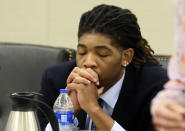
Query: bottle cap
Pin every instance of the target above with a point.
(63, 91)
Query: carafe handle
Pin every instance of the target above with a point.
(48, 112)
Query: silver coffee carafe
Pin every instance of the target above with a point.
(23, 114)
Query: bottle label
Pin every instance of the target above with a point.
(65, 117)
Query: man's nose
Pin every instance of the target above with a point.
(89, 61)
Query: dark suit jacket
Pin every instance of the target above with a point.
(132, 108)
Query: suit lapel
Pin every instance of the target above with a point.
(123, 110)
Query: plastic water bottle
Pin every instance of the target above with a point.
(64, 111)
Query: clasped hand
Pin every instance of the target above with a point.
(82, 85)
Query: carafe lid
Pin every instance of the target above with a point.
(21, 101)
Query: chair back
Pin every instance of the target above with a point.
(21, 68)
(164, 60)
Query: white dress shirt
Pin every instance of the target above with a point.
(109, 98)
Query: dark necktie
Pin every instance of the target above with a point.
(93, 127)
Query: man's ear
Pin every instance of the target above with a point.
(127, 56)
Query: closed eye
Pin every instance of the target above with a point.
(102, 52)
(103, 55)
(81, 53)
(81, 50)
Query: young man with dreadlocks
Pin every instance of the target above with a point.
(113, 62)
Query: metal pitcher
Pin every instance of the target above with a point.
(23, 116)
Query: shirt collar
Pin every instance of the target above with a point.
(111, 95)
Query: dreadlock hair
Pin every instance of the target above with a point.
(121, 26)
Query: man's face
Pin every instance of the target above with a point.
(96, 52)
